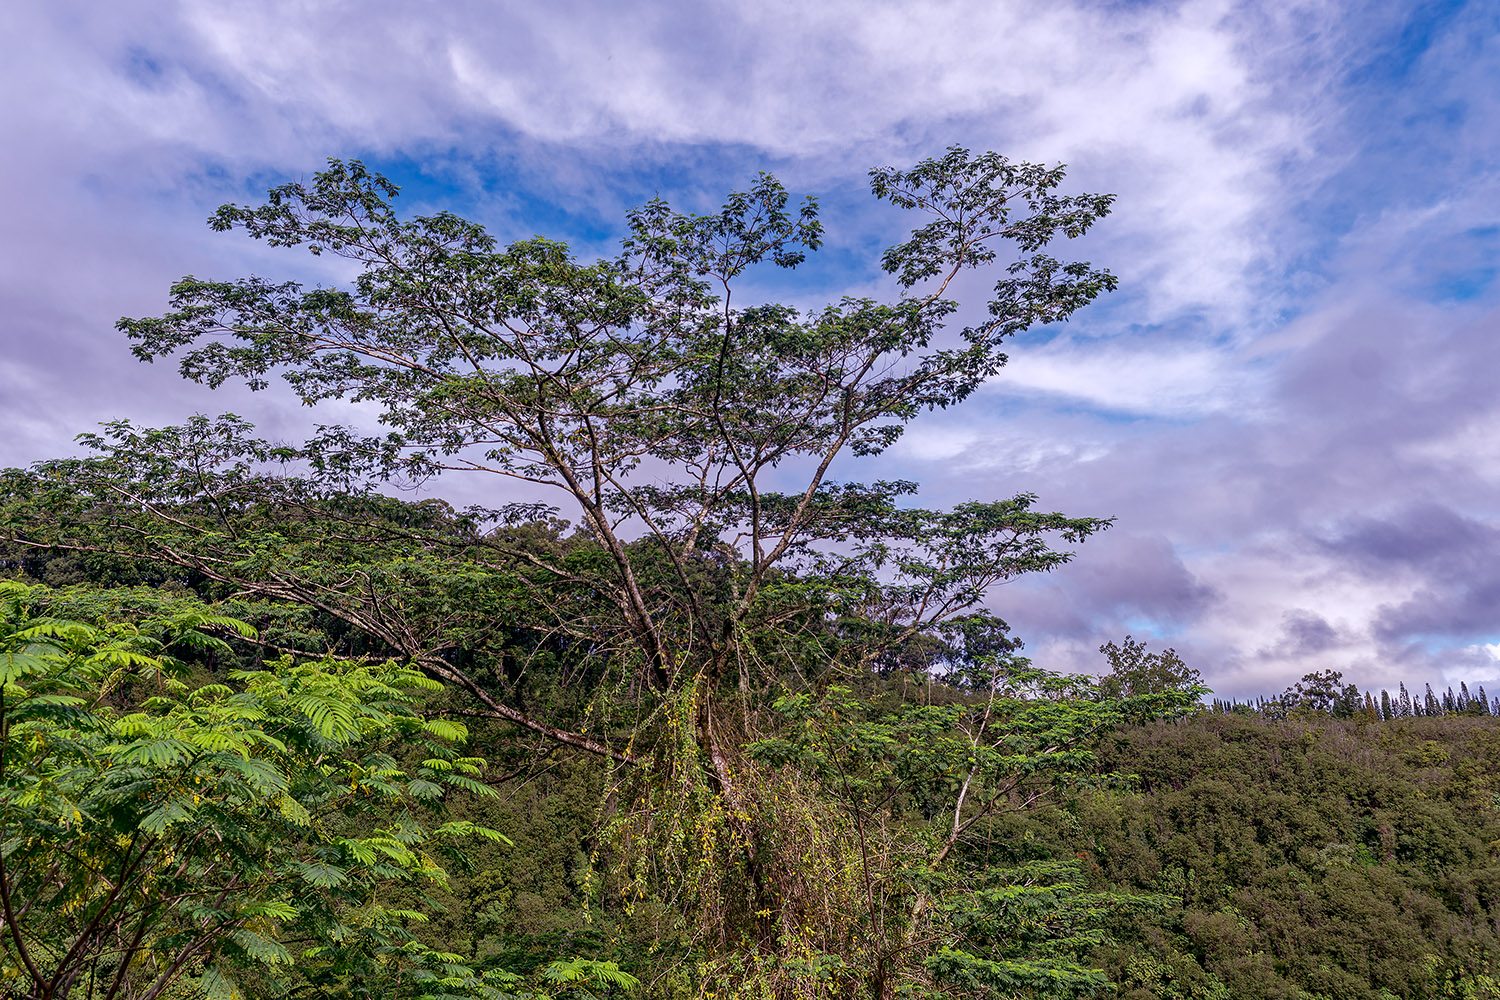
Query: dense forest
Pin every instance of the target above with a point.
(1237, 853)
(716, 725)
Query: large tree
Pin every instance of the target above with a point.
(687, 431)
(692, 437)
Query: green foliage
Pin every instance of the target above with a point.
(885, 813)
(703, 627)
(1303, 857)
(525, 363)
(1136, 673)
(155, 831)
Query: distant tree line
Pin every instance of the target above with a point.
(1325, 692)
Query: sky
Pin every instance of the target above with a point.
(1290, 406)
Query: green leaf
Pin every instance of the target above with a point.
(218, 986)
(293, 810)
(322, 874)
(261, 948)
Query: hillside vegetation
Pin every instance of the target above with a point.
(709, 721)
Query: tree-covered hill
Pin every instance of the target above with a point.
(1294, 853)
(1341, 858)
(1308, 858)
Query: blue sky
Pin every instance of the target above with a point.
(1290, 405)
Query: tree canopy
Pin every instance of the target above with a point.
(809, 719)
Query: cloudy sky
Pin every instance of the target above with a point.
(1292, 405)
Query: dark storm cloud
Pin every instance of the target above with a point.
(1466, 610)
(1303, 633)
(1133, 575)
(1427, 537)
(1454, 560)
(1123, 577)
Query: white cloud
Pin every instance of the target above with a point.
(1174, 107)
(1132, 378)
